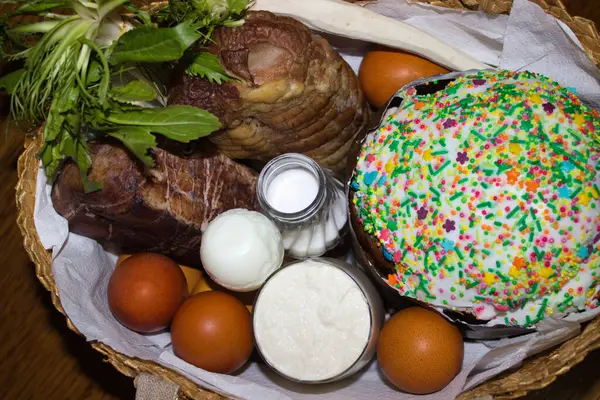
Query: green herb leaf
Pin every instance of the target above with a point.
(132, 95)
(180, 123)
(8, 82)
(134, 91)
(209, 13)
(138, 140)
(107, 6)
(50, 69)
(37, 27)
(179, 10)
(94, 72)
(63, 139)
(61, 105)
(37, 6)
(207, 65)
(220, 10)
(141, 14)
(105, 80)
(147, 44)
(67, 102)
(54, 125)
(76, 149)
(51, 159)
(237, 6)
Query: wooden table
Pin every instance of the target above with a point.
(42, 359)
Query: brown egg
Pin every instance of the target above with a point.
(192, 277)
(145, 291)
(213, 331)
(419, 351)
(383, 72)
(205, 284)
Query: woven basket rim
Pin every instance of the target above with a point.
(536, 373)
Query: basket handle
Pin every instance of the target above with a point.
(151, 387)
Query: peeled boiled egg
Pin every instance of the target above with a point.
(383, 72)
(213, 331)
(240, 249)
(419, 351)
(145, 291)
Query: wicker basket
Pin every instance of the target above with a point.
(536, 372)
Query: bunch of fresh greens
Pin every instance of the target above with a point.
(73, 76)
(208, 14)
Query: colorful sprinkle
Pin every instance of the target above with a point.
(489, 184)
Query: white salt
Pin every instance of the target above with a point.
(292, 190)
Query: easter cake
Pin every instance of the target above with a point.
(484, 198)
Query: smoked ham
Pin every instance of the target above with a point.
(293, 93)
(163, 209)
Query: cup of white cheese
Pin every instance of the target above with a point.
(317, 320)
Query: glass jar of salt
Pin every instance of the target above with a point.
(306, 202)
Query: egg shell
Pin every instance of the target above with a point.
(213, 331)
(419, 351)
(383, 72)
(145, 291)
